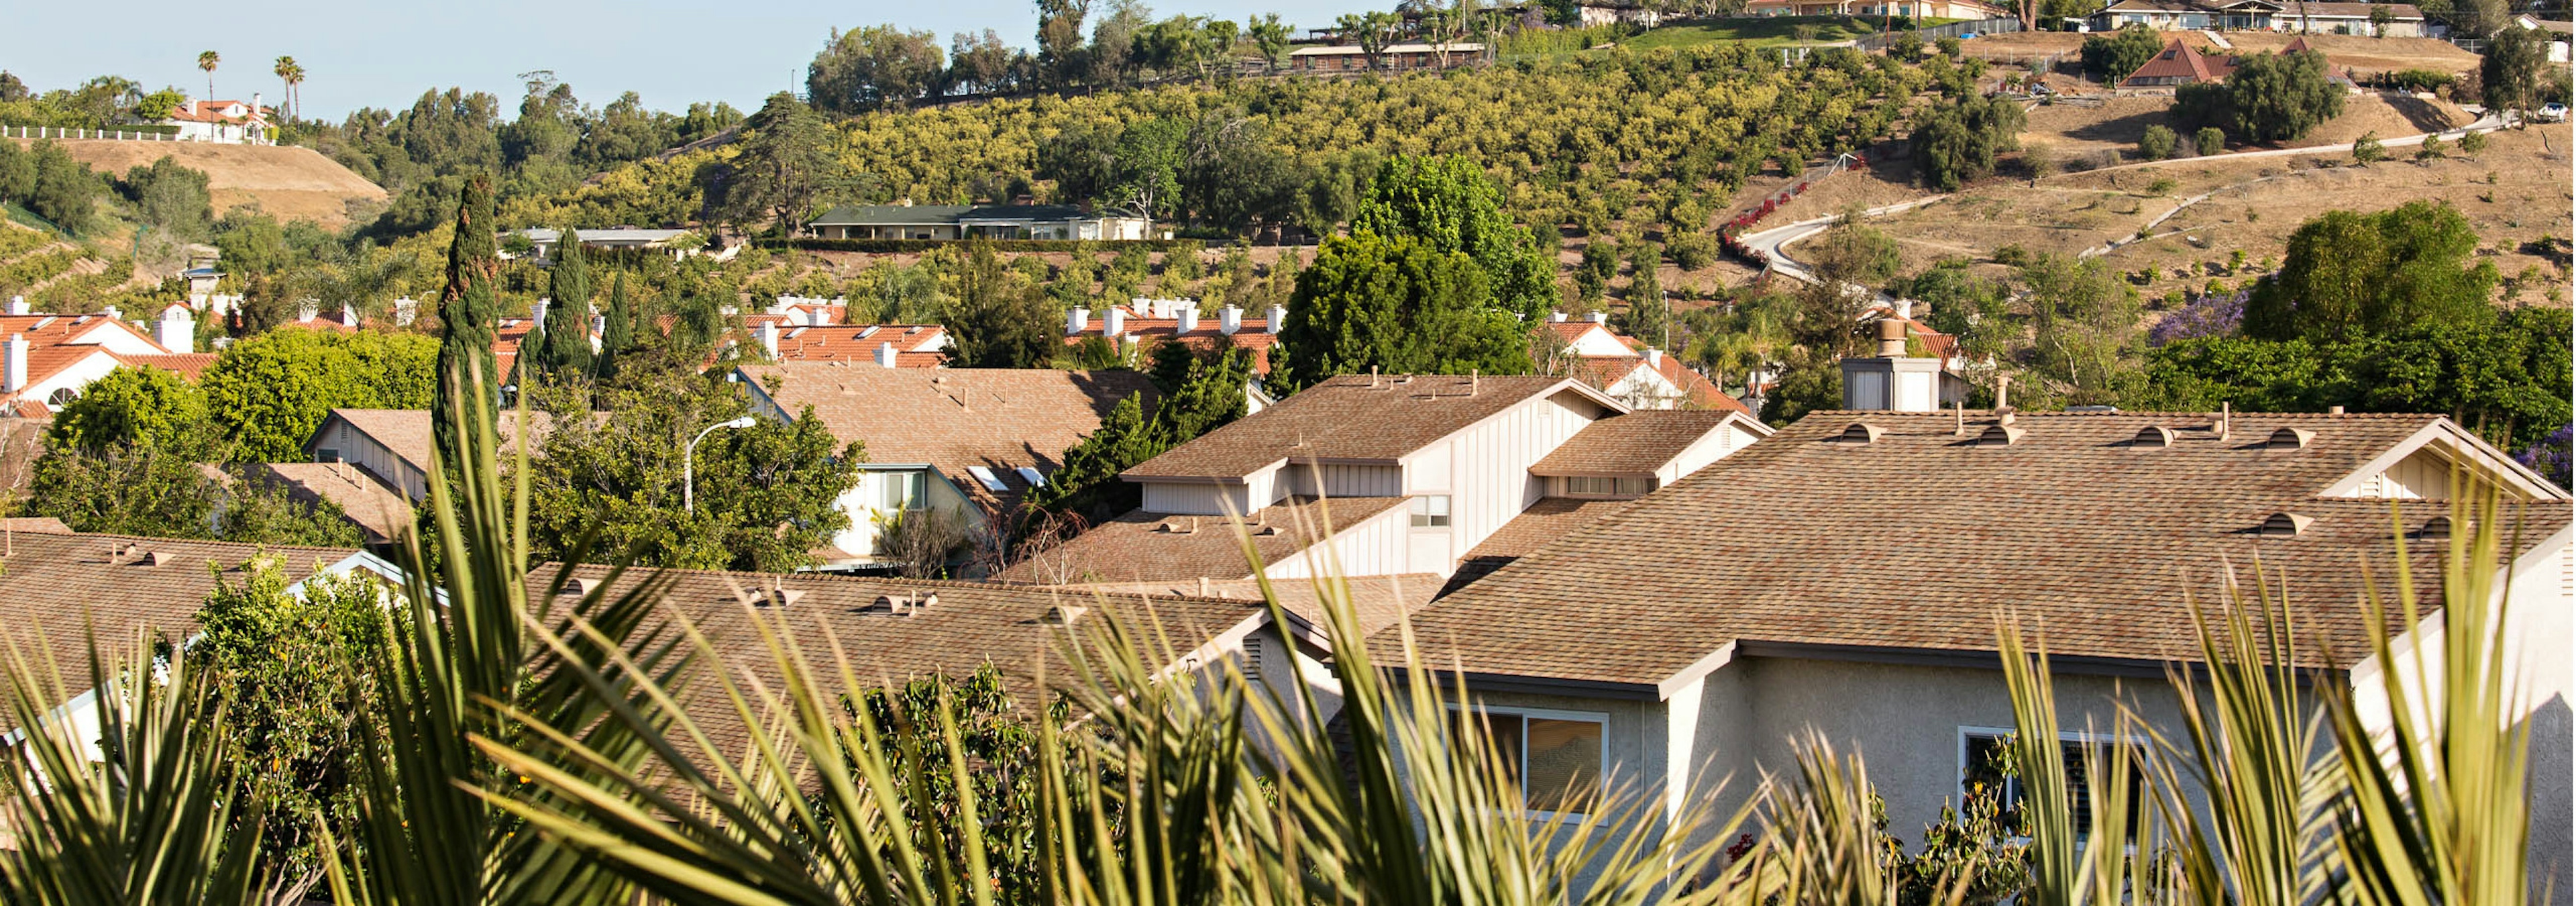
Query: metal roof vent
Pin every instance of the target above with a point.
(157, 558)
(2289, 439)
(1179, 527)
(2000, 436)
(905, 605)
(2283, 525)
(2153, 436)
(581, 588)
(1063, 614)
(1860, 433)
(770, 597)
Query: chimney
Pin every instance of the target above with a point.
(769, 339)
(254, 105)
(114, 313)
(405, 310)
(1113, 322)
(1278, 318)
(821, 316)
(2003, 406)
(1598, 317)
(1891, 338)
(1189, 315)
(885, 354)
(1229, 319)
(175, 331)
(1655, 359)
(1076, 321)
(348, 315)
(17, 305)
(16, 364)
(537, 315)
(1556, 317)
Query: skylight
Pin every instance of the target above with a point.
(986, 478)
(1031, 476)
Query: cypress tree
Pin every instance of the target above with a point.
(567, 347)
(468, 310)
(620, 334)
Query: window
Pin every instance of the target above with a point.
(1031, 476)
(898, 491)
(1431, 512)
(985, 477)
(1554, 756)
(326, 454)
(1984, 760)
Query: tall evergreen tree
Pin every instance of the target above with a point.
(998, 321)
(566, 350)
(1649, 317)
(619, 337)
(468, 310)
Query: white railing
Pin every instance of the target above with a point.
(124, 135)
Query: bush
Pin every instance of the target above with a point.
(2162, 186)
(2367, 149)
(2012, 255)
(1957, 143)
(2121, 52)
(1692, 251)
(2211, 140)
(2431, 149)
(2157, 144)
(2416, 80)
(2473, 143)
(1949, 47)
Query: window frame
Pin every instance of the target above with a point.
(1597, 718)
(2137, 743)
(916, 487)
(1418, 514)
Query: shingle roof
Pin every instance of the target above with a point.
(956, 418)
(1152, 547)
(1914, 540)
(1346, 418)
(54, 589)
(1540, 525)
(1379, 601)
(2179, 61)
(407, 432)
(1637, 443)
(381, 512)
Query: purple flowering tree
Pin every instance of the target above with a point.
(2206, 316)
(2549, 457)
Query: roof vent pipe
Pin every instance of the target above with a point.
(2003, 404)
(1891, 339)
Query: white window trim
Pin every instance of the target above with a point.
(1598, 717)
(1959, 751)
(1448, 515)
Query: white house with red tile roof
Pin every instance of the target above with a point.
(1130, 326)
(227, 122)
(45, 360)
(1630, 370)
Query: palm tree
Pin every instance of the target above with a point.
(288, 73)
(207, 61)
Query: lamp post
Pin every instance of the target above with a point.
(689, 462)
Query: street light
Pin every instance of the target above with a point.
(689, 462)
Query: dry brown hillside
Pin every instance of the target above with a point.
(288, 182)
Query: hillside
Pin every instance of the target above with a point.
(288, 182)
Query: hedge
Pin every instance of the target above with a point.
(895, 246)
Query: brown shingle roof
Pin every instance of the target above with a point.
(1915, 540)
(407, 433)
(1637, 443)
(379, 511)
(1144, 547)
(1346, 418)
(955, 418)
(1379, 601)
(1540, 525)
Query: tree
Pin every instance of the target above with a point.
(136, 409)
(566, 352)
(172, 199)
(619, 338)
(875, 68)
(1202, 391)
(469, 311)
(2381, 16)
(288, 665)
(2209, 140)
(767, 495)
(1060, 50)
(1146, 170)
(1397, 304)
(207, 60)
(287, 74)
(1649, 316)
(1271, 36)
(1450, 204)
(784, 166)
(2504, 373)
(1958, 142)
(2347, 274)
(2156, 144)
(996, 320)
(982, 65)
(2367, 150)
(2269, 98)
(269, 393)
(2085, 341)
(126, 458)
(2509, 74)
(2116, 55)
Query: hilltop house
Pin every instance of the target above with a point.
(1410, 55)
(1627, 369)
(2336, 18)
(1843, 577)
(226, 122)
(2180, 64)
(967, 443)
(680, 243)
(963, 221)
(1379, 476)
(1919, 9)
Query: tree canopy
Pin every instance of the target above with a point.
(2349, 273)
(1397, 304)
(2268, 98)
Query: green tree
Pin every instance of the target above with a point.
(2085, 340)
(2509, 73)
(171, 198)
(2503, 373)
(2210, 140)
(620, 336)
(1271, 36)
(136, 409)
(996, 319)
(2268, 98)
(784, 167)
(270, 392)
(1397, 305)
(1649, 316)
(767, 495)
(2114, 56)
(2367, 150)
(1958, 142)
(208, 60)
(1451, 205)
(2347, 274)
(2156, 144)
(469, 312)
(874, 68)
(287, 659)
(566, 351)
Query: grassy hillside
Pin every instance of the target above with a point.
(290, 183)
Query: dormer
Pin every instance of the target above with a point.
(2426, 465)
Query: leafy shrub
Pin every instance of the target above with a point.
(1692, 251)
(2367, 148)
(2157, 144)
(2473, 143)
(2211, 140)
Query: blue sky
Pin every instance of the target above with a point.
(373, 53)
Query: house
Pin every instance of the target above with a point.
(2185, 15)
(380, 512)
(984, 221)
(1604, 467)
(883, 345)
(2179, 64)
(1918, 9)
(1411, 55)
(47, 359)
(681, 243)
(1844, 576)
(967, 443)
(2326, 18)
(392, 446)
(2559, 31)
(1374, 475)
(1132, 327)
(1905, 383)
(227, 122)
(1593, 15)
(1628, 370)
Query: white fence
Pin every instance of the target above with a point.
(123, 135)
